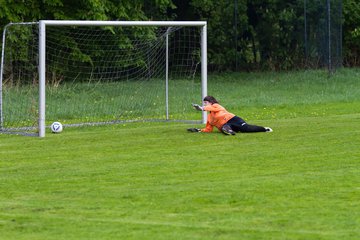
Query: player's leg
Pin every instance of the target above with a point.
(248, 128)
(232, 126)
(226, 129)
(238, 124)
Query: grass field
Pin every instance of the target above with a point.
(156, 181)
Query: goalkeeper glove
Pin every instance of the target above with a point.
(194, 130)
(197, 107)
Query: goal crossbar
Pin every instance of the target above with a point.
(123, 23)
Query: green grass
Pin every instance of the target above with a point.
(156, 181)
(74, 102)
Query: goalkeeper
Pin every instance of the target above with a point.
(226, 122)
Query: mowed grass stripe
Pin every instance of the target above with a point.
(254, 189)
(157, 181)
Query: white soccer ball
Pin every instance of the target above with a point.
(56, 127)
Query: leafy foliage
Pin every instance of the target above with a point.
(351, 32)
(242, 34)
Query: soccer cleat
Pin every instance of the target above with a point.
(226, 129)
(268, 129)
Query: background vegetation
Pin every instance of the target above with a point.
(244, 35)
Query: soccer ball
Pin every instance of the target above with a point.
(56, 127)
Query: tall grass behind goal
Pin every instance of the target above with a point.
(98, 72)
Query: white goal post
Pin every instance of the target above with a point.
(42, 56)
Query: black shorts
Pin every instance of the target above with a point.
(238, 124)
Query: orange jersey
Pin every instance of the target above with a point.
(217, 117)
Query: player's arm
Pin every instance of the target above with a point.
(194, 130)
(197, 107)
(212, 108)
(207, 129)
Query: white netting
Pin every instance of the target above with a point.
(101, 74)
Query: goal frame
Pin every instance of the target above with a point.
(42, 56)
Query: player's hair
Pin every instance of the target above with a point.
(210, 99)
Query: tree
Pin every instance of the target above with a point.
(35, 10)
(225, 43)
(242, 34)
(351, 31)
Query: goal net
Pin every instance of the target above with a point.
(100, 72)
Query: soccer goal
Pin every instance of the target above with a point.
(101, 72)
